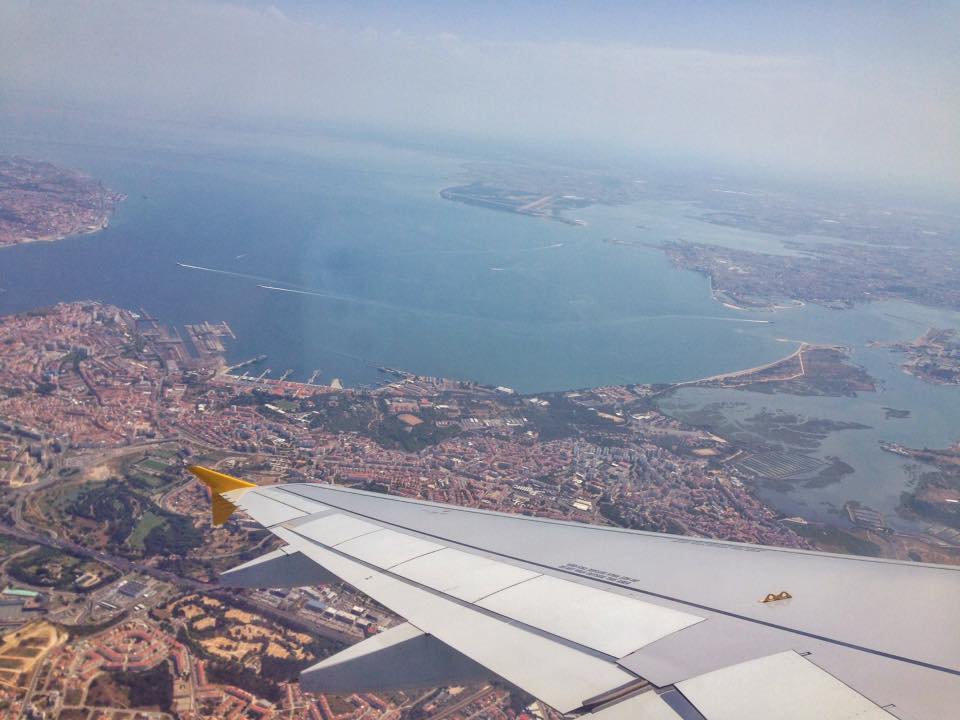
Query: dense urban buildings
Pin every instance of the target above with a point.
(101, 409)
(40, 201)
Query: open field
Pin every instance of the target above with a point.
(20, 651)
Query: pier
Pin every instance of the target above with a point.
(247, 363)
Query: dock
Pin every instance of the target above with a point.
(246, 363)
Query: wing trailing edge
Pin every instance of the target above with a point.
(283, 568)
(401, 658)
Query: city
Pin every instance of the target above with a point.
(109, 557)
(42, 202)
(442, 361)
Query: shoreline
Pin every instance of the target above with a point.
(609, 403)
(44, 202)
(89, 230)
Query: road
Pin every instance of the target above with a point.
(798, 353)
(125, 566)
(461, 704)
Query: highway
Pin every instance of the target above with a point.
(125, 566)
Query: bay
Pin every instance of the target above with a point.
(348, 261)
(341, 256)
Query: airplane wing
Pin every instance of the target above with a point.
(612, 623)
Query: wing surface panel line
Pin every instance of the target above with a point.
(462, 603)
(508, 587)
(607, 667)
(651, 593)
(287, 503)
(426, 554)
(264, 504)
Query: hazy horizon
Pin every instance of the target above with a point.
(862, 92)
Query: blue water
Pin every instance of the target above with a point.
(386, 272)
(878, 477)
(370, 267)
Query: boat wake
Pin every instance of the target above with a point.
(231, 273)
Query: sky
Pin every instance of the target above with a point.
(867, 90)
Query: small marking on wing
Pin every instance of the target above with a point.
(597, 574)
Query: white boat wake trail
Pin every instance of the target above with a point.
(231, 273)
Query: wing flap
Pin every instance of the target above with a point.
(387, 548)
(462, 575)
(645, 706)
(610, 623)
(560, 675)
(785, 686)
(401, 658)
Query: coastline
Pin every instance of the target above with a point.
(628, 412)
(43, 202)
(89, 230)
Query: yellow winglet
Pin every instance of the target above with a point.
(219, 483)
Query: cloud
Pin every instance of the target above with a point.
(204, 62)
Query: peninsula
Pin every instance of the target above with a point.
(40, 201)
(934, 357)
(838, 275)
